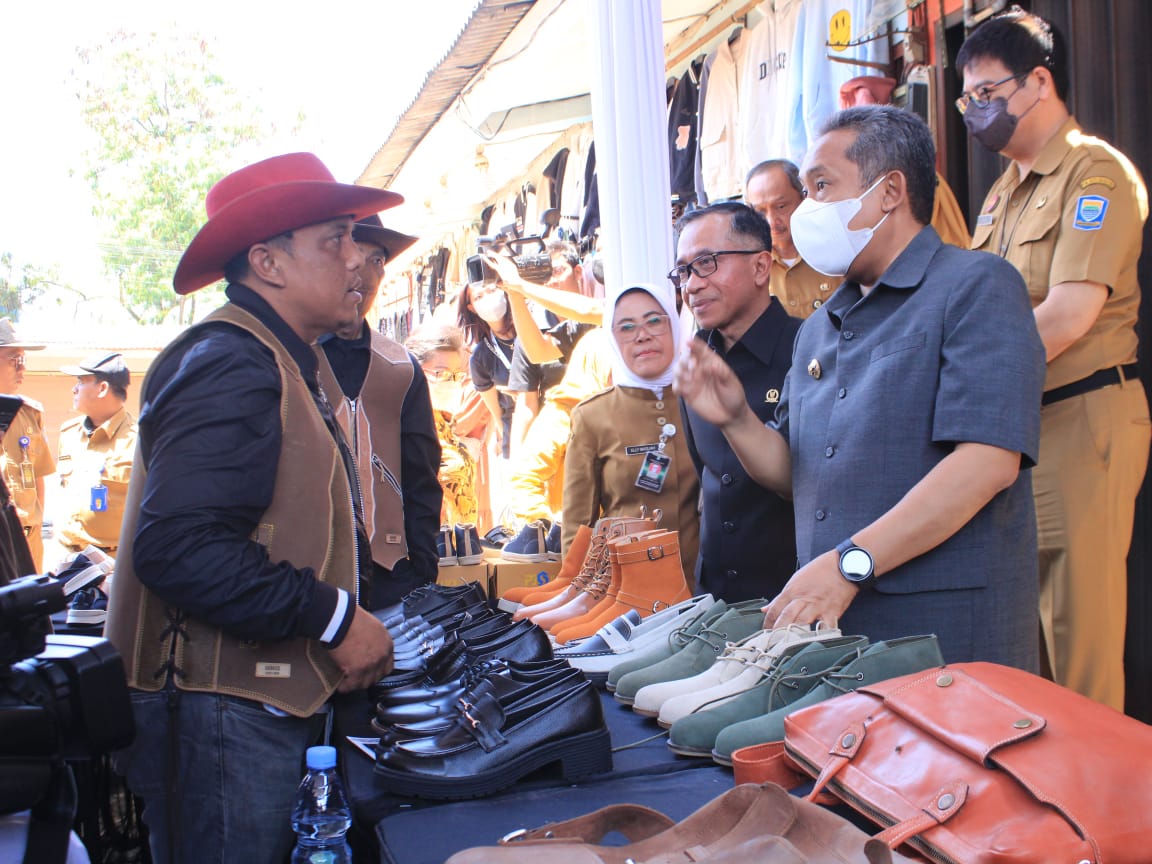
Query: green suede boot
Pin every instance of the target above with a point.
(793, 675)
(682, 637)
(740, 621)
(878, 662)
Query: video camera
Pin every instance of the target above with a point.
(534, 265)
(62, 698)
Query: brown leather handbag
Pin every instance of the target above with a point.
(978, 763)
(761, 824)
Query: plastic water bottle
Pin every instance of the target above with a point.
(321, 816)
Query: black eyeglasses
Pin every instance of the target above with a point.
(981, 97)
(629, 330)
(704, 265)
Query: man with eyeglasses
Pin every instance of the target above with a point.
(1068, 213)
(773, 189)
(909, 417)
(25, 457)
(723, 269)
(380, 397)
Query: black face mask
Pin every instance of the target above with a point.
(992, 125)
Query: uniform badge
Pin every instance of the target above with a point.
(772, 395)
(985, 219)
(1103, 181)
(992, 202)
(1090, 210)
(814, 368)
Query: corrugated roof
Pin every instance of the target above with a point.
(484, 32)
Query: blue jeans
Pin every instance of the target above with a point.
(237, 769)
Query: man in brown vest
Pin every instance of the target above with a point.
(380, 397)
(235, 601)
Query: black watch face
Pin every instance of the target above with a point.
(856, 564)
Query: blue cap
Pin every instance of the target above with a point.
(320, 758)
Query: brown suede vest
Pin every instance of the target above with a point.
(309, 523)
(371, 423)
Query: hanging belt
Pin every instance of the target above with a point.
(1103, 378)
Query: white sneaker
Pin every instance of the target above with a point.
(738, 675)
(621, 639)
(731, 662)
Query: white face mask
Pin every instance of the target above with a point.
(492, 307)
(821, 234)
(445, 395)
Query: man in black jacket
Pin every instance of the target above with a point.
(380, 397)
(723, 267)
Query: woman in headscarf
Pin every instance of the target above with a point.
(628, 447)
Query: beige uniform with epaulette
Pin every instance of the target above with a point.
(24, 465)
(89, 457)
(1078, 216)
(800, 289)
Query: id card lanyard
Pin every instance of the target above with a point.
(654, 469)
(98, 502)
(27, 475)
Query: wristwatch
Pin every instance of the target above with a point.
(856, 565)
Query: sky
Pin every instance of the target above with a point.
(351, 68)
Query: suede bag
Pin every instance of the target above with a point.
(980, 763)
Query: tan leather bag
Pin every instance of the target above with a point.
(978, 763)
(761, 824)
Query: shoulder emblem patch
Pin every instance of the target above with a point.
(1090, 210)
(1103, 181)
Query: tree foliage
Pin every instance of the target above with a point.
(164, 126)
(22, 286)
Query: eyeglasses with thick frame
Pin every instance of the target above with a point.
(704, 265)
(447, 375)
(655, 324)
(981, 97)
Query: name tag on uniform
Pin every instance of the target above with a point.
(273, 670)
(985, 219)
(640, 449)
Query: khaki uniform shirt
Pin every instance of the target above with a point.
(23, 464)
(800, 289)
(1077, 216)
(611, 431)
(100, 456)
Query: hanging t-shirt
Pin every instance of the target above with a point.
(682, 134)
(765, 83)
(720, 161)
(698, 173)
(824, 28)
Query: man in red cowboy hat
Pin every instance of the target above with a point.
(380, 397)
(235, 601)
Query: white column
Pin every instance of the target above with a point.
(629, 122)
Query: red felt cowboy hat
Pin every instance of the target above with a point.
(269, 198)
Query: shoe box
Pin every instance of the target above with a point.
(503, 575)
(460, 574)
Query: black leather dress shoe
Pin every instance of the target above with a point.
(442, 700)
(489, 747)
(511, 698)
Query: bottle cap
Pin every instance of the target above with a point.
(320, 758)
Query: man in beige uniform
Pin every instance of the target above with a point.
(24, 453)
(773, 190)
(96, 451)
(1068, 213)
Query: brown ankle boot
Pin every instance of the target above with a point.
(609, 595)
(651, 579)
(594, 561)
(573, 561)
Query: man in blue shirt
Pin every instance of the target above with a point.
(910, 415)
